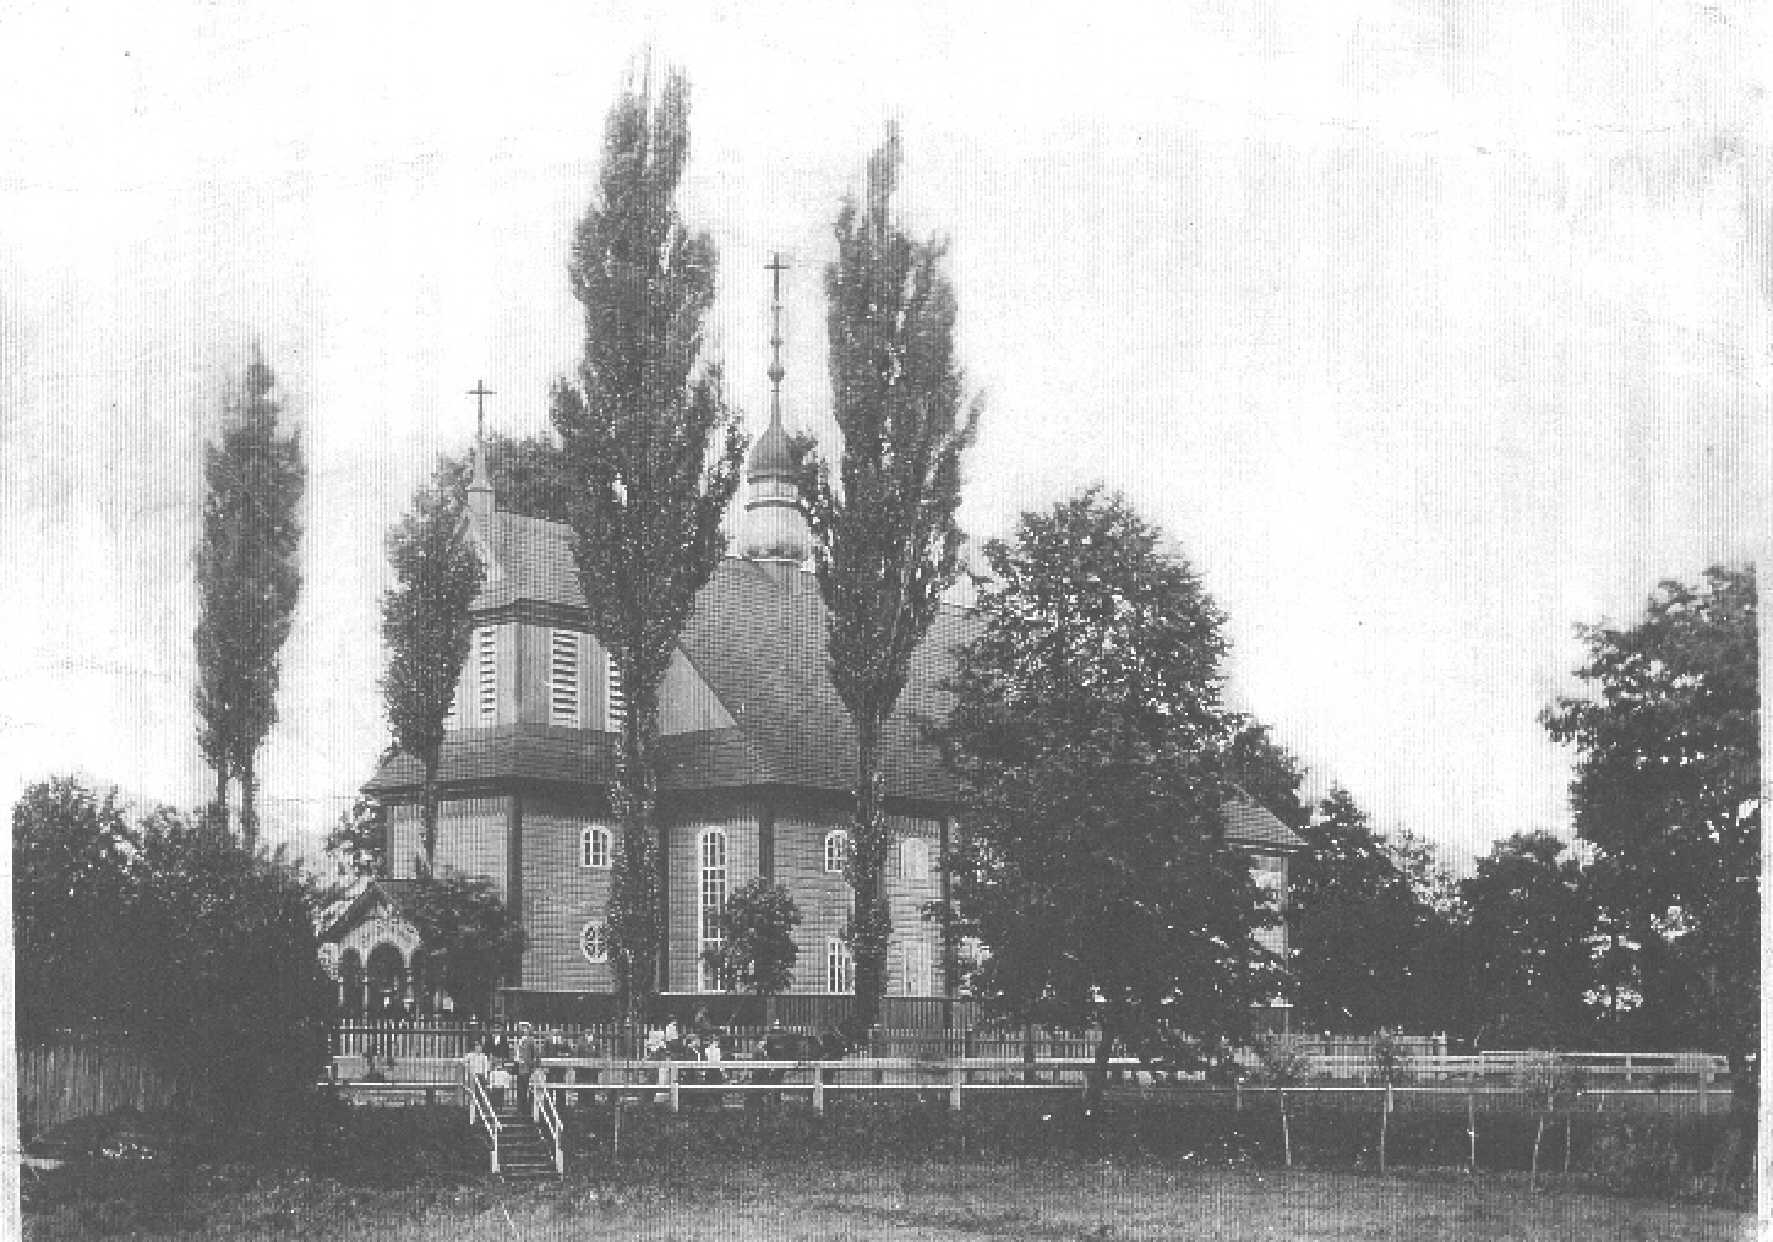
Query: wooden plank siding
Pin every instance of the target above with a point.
(470, 838)
(560, 896)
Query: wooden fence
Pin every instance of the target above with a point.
(72, 1078)
(404, 1041)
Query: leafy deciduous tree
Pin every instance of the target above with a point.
(1527, 933)
(885, 543)
(1353, 924)
(247, 584)
(471, 938)
(426, 628)
(1088, 729)
(651, 457)
(757, 950)
(1667, 787)
(70, 863)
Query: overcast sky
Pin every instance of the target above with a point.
(1428, 330)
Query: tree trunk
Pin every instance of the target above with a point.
(1471, 1128)
(249, 809)
(1384, 1124)
(1567, 1120)
(220, 805)
(428, 811)
(1096, 1081)
(1538, 1134)
(872, 926)
(1286, 1130)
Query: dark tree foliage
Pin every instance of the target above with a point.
(172, 937)
(528, 475)
(426, 629)
(1354, 925)
(472, 940)
(234, 999)
(247, 583)
(1268, 772)
(1667, 787)
(70, 884)
(757, 953)
(885, 543)
(1527, 942)
(360, 838)
(1088, 730)
(651, 457)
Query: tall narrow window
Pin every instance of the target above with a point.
(712, 848)
(486, 663)
(916, 980)
(594, 847)
(563, 678)
(615, 696)
(837, 849)
(840, 969)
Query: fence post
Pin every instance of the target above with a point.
(1705, 1084)
(955, 1074)
(1237, 1094)
(819, 1090)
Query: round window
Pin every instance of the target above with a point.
(594, 944)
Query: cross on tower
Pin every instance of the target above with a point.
(480, 392)
(776, 267)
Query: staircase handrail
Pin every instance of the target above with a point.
(482, 1112)
(549, 1117)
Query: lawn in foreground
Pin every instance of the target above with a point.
(914, 1203)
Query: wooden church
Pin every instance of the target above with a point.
(759, 765)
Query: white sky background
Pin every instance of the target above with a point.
(1428, 330)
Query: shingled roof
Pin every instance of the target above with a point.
(757, 638)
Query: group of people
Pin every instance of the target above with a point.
(504, 1067)
(501, 1067)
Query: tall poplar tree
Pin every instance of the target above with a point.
(885, 543)
(247, 583)
(652, 456)
(427, 629)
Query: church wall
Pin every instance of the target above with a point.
(470, 838)
(824, 897)
(560, 896)
(906, 897)
(684, 887)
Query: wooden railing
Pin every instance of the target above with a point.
(547, 1117)
(482, 1113)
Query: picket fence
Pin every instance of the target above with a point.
(423, 1041)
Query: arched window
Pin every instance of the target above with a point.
(914, 859)
(837, 850)
(351, 983)
(840, 968)
(712, 851)
(594, 943)
(387, 981)
(594, 847)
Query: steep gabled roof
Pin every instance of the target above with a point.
(394, 892)
(757, 637)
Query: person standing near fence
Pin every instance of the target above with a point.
(478, 1063)
(529, 1059)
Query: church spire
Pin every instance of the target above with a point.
(774, 527)
(480, 488)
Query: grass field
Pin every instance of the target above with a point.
(405, 1176)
